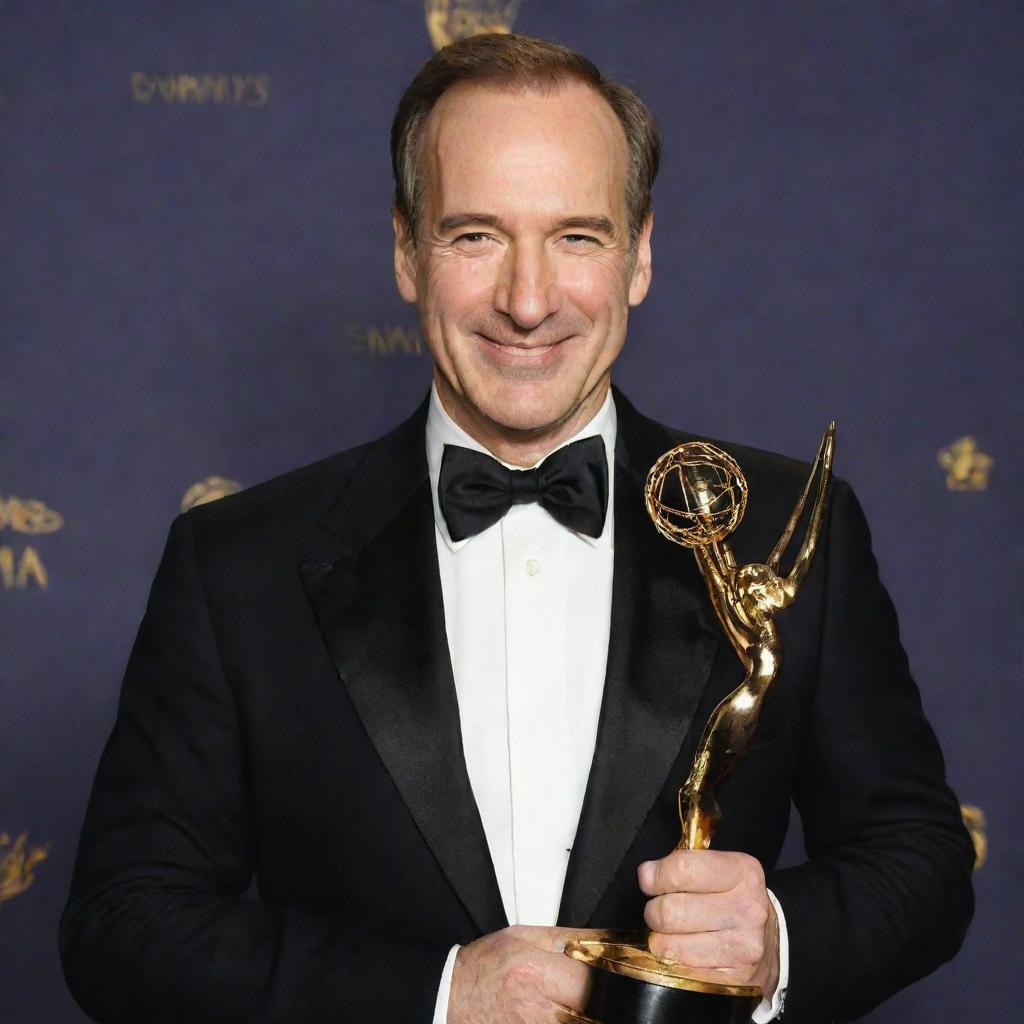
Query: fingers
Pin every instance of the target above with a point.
(560, 979)
(516, 974)
(709, 910)
(697, 871)
(566, 982)
(705, 912)
(735, 949)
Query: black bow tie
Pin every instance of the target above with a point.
(475, 490)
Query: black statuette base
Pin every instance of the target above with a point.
(618, 999)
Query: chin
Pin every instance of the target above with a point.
(525, 409)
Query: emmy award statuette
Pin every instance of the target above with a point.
(696, 494)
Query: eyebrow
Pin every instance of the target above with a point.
(460, 220)
(600, 224)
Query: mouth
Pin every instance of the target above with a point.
(518, 352)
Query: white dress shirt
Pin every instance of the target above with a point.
(527, 607)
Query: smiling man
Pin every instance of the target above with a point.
(524, 258)
(437, 694)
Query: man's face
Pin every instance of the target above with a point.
(523, 272)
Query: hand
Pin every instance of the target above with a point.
(711, 910)
(517, 976)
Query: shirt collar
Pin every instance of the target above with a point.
(442, 430)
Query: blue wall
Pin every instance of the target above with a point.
(195, 281)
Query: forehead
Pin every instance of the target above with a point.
(560, 152)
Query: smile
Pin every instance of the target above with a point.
(517, 353)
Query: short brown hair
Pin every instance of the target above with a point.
(512, 60)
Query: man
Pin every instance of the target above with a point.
(422, 697)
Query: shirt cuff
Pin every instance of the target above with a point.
(444, 989)
(768, 1009)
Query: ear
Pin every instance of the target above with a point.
(641, 279)
(405, 258)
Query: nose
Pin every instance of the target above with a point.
(527, 289)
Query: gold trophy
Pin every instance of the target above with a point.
(696, 494)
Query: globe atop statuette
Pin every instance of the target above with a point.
(696, 494)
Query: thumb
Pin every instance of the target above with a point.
(553, 939)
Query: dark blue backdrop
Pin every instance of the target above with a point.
(196, 283)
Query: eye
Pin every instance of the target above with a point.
(471, 239)
(580, 241)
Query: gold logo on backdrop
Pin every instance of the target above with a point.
(448, 20)
(28, 515)
(16, 864)
(204, 89)
(974, 819)
(208, 489)
(19, 568)
(387, 341)
(966, 465)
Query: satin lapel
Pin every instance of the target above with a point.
(382, 616)
(662, 644)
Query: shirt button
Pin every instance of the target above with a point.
(532, 567)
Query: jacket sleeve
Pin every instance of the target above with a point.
(157, 927)
(886, 894)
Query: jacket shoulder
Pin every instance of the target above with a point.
(293, 503)
(760, 466)
(281, 506)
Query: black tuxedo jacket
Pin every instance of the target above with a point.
(289, 714)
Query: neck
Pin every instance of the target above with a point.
(521, 447)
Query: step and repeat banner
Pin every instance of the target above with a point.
(196, 294)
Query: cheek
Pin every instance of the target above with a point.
(599, 289)
(458, 287)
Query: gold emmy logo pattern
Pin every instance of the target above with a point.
(204, 89)
(448, 20)
(974, 819)
(381, 342)
(21, 566)
(208, 489)
(966, 465)
(16, 864)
